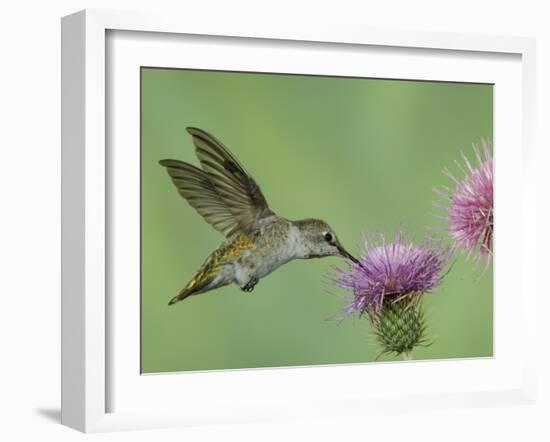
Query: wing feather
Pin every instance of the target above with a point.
(193, 185)
(222, 192)
(220, 163)
(236, 187)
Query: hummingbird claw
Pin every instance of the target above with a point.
(249, 285)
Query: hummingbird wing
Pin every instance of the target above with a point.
(223, 192)
(194, 185)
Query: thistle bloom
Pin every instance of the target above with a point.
(388, 286)
(469, 213)
(393, 270)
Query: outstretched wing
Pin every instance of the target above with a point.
(223, 192)
(193, 184)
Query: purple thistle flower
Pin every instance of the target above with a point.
(392, 271)
(469, 214)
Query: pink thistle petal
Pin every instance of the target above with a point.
(469, 213)
(394, 269)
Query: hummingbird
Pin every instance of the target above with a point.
(258, 241)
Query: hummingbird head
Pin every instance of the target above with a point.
(319, 240)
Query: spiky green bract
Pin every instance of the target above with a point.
(399, 325)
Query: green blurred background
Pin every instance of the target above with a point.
(362, 154)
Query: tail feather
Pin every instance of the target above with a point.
(207, 278)
(180, 296)
(190, 289)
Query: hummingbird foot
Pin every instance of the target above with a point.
(249, 286)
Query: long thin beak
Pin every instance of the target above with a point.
(348, 255)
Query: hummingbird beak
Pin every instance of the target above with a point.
(347, 255)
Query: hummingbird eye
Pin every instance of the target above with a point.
(328, 236)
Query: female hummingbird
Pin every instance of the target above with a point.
(257, 240)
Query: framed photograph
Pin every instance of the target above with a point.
(266, 223)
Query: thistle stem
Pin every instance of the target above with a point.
(407, 356)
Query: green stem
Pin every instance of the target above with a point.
(407, 356)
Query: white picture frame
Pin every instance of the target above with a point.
(86, 204)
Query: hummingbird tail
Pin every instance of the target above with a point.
(180, 297)
(195, 286)
(208, 277)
